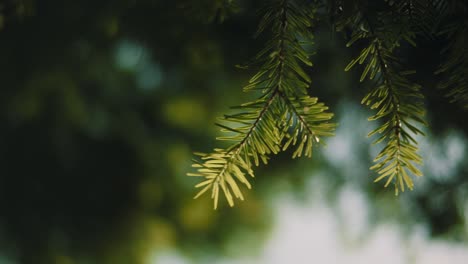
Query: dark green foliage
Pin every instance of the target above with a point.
(209, 10)
(422, 16)
(455, 67)
(15, 9)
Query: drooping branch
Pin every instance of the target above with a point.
(398, 102)
(283, 115)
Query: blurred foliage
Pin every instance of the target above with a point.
(102, 103)
(15, 10)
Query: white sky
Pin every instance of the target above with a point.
(310, 233)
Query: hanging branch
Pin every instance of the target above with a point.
(397, 100)
(282, 116)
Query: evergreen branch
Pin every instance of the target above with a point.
(253, 141)
(219, 167)
(283, 115)
(398, 103)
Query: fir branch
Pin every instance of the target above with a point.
(283, 115)
(397, 101)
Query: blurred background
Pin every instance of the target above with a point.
(103, 103)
